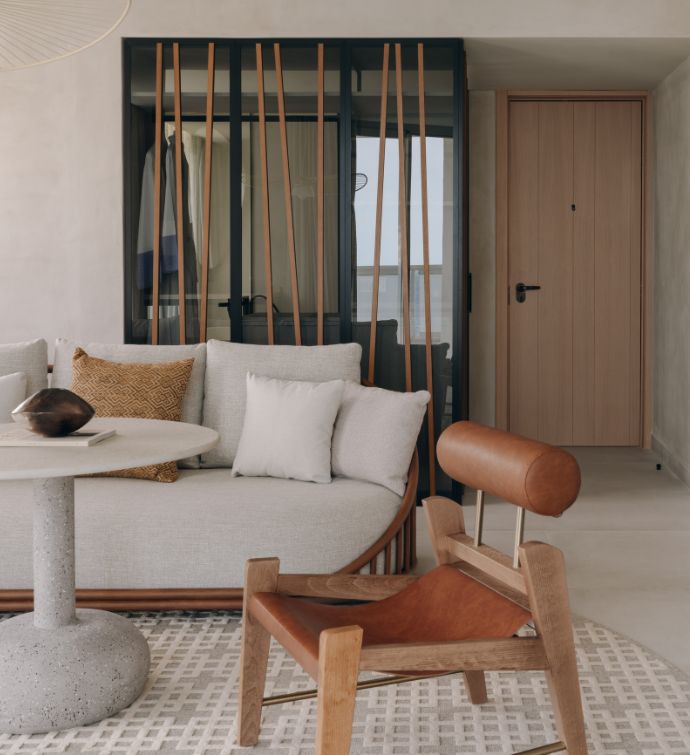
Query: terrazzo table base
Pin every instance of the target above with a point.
(60, 667)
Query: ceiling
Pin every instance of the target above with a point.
(572, 63)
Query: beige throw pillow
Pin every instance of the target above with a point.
(376, 433)
(149, 391)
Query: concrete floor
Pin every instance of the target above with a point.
(627, 546)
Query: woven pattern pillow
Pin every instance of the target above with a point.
(149, 391)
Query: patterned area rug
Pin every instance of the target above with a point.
(635, 704)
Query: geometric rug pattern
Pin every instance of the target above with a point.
(635, 703)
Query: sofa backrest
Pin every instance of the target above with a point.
(29, 357)
(227, 365)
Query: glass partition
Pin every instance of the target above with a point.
(275, 193)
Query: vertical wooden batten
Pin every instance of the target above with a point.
(320, 195)
(287, 193)
(208, 160)
(427, 272)
(179, 199)
(156, 270)
(383, 117)
(265, 207)
(402, 218)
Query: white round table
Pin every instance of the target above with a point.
(60, 667)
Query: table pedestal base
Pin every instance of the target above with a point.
(71, 675)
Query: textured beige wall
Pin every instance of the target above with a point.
(482, 243)
(671, 425)
(61, 131)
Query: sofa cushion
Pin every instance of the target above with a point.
(12, 393)
(227, 365)
(144, 354)
(200, 531)
(376, 433)
(29, 357)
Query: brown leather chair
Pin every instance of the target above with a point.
(460, 617)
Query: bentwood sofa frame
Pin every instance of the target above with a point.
(393, 553)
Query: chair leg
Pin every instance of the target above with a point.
(475, 684)
(260, 575)
(339, 651)
(544, 569)
(444, 517)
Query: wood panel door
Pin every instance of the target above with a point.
(574, 231)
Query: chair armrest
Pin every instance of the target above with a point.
(344, 586)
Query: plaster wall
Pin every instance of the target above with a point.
(61, 133)
(671, 428)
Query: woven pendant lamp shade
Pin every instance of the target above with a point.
(38, 31)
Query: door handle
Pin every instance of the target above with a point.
(521, 290)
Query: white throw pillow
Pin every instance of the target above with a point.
(29, 357)
(288, 428)
(225, 383)
(12, 393)
(376, 433)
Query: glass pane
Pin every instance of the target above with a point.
(300, 88)
(194, 82)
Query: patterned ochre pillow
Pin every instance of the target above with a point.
(150, 391)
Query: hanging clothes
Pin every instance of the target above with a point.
(168, 258)
(169, 301)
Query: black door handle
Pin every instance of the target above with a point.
(521, 290)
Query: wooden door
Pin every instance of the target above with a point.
(574, 230)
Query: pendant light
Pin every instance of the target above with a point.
(39, 31)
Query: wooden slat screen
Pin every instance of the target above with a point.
(379, 212)
(320, 126)
(320, 208)
(208, 160)
(287, 195)
(427, 273)
(403, 210)
(265, 206)
(179, 199)
(402, 218)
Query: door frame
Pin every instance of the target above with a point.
(503, 100)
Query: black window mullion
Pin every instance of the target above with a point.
(235, 304)
(345, 183)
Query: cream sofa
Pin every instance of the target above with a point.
(145, 544)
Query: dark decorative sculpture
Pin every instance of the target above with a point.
(53, 412)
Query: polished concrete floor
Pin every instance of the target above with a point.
(627, 546)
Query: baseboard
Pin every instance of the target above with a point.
(191, 599)
(670, 460)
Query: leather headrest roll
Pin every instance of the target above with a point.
(542, 478)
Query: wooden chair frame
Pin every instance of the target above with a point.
(538, 584)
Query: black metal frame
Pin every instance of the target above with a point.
(460, 340)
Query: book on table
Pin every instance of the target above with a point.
(20, 436)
